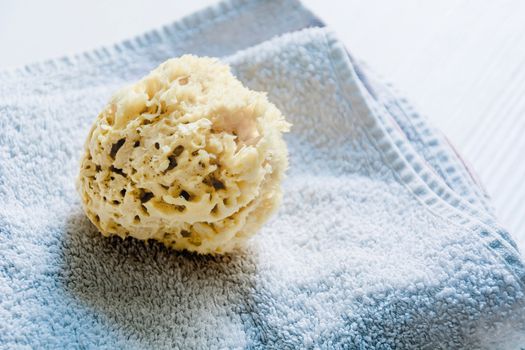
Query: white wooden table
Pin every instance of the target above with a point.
(461, 62)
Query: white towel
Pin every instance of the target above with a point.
(377, 244)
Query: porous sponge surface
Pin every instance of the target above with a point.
(187, 156)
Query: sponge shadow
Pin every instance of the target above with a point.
(155, 296)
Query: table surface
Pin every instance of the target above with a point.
(460, 62)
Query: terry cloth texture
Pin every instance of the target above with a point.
(384, 240)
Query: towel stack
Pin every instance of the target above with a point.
(385, 239)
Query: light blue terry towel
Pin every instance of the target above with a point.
(384, 239)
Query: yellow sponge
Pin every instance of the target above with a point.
(187, 156)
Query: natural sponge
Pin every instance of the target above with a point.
(187, 156)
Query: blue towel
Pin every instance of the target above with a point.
(384, 240)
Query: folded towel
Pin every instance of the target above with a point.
(384, 239)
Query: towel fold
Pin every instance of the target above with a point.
(384, 240)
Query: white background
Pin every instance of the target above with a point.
(461, 62)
